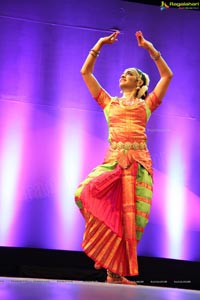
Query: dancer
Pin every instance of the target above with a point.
(115, 198)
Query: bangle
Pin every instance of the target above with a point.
(157, 56)
(94, 53)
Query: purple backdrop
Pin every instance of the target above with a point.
(52, 133)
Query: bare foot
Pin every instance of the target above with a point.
(120, 280)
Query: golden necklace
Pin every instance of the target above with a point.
(128, 103)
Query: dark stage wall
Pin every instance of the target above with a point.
(75, 265)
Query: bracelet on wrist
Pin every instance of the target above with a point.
(94, 53)
(157, 56)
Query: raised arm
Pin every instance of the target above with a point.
(165, 72)
(88, 66)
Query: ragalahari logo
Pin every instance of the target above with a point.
(180, 5)
(163, 5)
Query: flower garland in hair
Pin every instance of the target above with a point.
(142, 90)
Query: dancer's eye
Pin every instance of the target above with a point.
(129, 73)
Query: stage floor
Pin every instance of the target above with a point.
(45, 289)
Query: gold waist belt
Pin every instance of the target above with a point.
(128, 146)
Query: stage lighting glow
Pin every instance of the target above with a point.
(9, 177)
(175, 206)
(70, 166)
(52, 133)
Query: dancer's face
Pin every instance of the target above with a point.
(128, 79)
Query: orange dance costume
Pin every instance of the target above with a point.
(115, 198)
